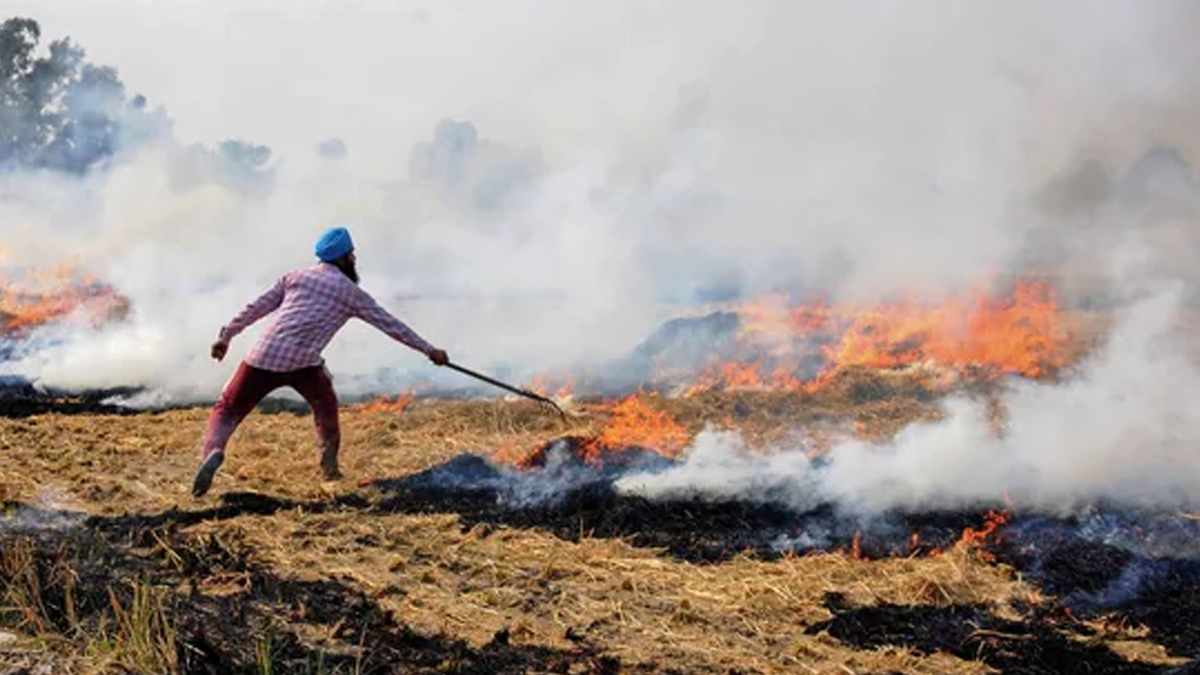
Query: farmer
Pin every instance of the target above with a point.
(313, 303)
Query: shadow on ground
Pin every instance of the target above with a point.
(65, 577)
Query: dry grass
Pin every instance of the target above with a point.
(744, 613)
(39, 598)
(112, 464)
(108, 464)
(144, 639)
(633, 602)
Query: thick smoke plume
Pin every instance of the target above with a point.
(535, 185)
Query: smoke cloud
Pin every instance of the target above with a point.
(536, 185)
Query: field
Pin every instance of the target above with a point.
(876, 335)
(108, 565)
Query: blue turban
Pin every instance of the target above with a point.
(333, 244)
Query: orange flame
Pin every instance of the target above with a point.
(382, 404)
(856, 546)
(1024, 333)
(977, 539)
(58, 295)
(541, 386)
(635, 423)
(782, 346)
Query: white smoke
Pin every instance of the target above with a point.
(52, 508)
(719, 465)
(627, 156)
(1124, 432)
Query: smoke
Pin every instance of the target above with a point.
(1123, 432)
(536, 185)
(51, 509)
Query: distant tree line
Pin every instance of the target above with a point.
(61, 113)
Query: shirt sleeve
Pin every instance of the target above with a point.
(260, 307)
(366, 308)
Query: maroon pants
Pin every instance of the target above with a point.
(250, 385)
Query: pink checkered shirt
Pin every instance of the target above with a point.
(314, 303)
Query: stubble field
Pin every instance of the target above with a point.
(109, 565)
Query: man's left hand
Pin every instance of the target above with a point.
(439, 357)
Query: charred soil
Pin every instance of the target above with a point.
(68, 583)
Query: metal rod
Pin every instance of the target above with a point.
(521, 392)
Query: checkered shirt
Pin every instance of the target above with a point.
(313, 304)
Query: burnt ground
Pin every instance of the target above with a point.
(1037, 646)
(695, 530)
(1088, 579)
(227, 633)
(20, 399)
(1095, 578)
(1142, 578)
(569, 499)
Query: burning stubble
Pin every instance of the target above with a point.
(1121, 433)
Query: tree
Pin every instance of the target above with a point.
(235, 164)
(485, 173)
(59, 112)
(332, 148)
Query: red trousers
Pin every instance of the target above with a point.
(250, 385)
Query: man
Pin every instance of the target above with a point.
(313, 304)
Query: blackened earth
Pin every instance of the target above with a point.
(223, 633)
(1149, 576)
(1036, 646)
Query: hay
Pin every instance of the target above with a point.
(744, 614)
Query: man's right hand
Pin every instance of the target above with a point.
(439, 357)
(219, 348)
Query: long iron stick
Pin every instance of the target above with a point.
(522, 392)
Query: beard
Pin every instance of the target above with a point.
(348, 268)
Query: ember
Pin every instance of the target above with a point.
(987, 534)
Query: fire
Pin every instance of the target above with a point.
(972, 540)
(801, 348)
(57, 296)
(783, 346)
(976, 539)
(856, 546)
(541, 385)
(381, 404)
(634, 423)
